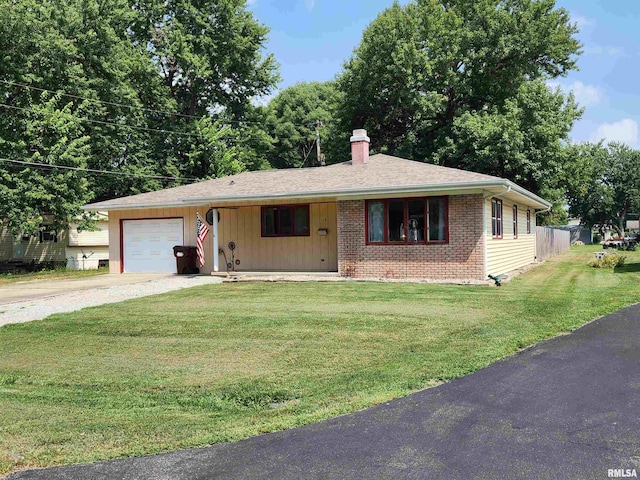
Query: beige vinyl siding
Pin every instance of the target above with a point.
(509, 253)
(188, 214)
(36, 251)
(94, 255)
(242, 225)
(311, 253)
(87, 238)
(6, 243)
(33, 249)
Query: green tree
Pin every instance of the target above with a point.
(36, 196)
(296, 114)
(125, 62)
(461, 83)
(603, 185)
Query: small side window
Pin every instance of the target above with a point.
(48, 237)
(496, 218)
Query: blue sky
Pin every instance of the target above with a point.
(312, 38)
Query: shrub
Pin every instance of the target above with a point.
(597, 238)
(611, 260)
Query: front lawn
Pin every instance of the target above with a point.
(224, 362)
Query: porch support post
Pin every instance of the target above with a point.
(216, 264)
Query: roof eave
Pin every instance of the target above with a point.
(542, 203)
(343, 194)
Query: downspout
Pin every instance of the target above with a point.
(543, 211)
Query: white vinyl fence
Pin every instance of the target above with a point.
(551, 242)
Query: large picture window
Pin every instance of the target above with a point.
(285, 221)
(406, 221)
(496, 218)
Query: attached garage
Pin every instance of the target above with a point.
(147, 244)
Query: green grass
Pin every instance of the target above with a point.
(56, 274)
(209, 364)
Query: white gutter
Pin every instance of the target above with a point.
(496, 195)
(543, 211)
(342, 194)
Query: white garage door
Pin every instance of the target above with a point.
(148, 244)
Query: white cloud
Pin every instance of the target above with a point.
(582, 21)
(586, 95)
(624, 131)
(609, 50)
(310, 4)
(263, 100)
(552, 84)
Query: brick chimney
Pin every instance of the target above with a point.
(359, 147)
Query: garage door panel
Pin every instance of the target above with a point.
(148, 244)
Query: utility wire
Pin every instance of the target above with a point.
(309, 152)
(114, 104)
(102, 122)
(92, 170)
(151, 110)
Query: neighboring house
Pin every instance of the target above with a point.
(373, 216)
(67, 247)
(88, 250)
(47, 246)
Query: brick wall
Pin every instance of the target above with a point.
(461, 259)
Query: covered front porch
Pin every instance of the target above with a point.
(276, 237)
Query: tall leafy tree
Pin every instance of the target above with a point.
(124, 62)
(37, 127)
(523, 140)
(458, 83)
(603, 185)
(296, 115)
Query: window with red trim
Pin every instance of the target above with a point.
(528, 222)
(515, 221)
(407, 221)
(496, 218)
(285, 221)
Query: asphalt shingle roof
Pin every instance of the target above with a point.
(381, 171)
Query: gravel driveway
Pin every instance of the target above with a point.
(40, 308)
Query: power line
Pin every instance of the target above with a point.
(93, 170)
(151, 110)
(114, 104)
(309, 152)
(102, 122)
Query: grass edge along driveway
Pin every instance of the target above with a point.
(225, 362)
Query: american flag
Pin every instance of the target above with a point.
(201, 233)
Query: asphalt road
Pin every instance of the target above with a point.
(566, 408)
